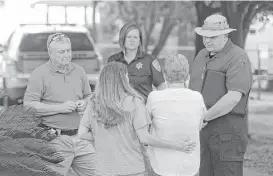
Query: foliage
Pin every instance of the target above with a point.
(239, 14)
(150, 14)
(24, 148)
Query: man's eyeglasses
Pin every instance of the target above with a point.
(56, 37)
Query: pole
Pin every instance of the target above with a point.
(65, 14)
(47, 14)
(259, 73)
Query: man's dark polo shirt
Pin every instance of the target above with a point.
(231, 60)
(144, 71)
(234, 62)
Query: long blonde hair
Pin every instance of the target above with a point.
(113, 85)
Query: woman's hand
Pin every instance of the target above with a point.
(186, 146)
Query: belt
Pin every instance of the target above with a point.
(59, 131)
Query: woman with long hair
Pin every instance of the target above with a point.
(119, 120)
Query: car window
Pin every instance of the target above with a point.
(37, 42)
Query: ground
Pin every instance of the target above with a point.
(259, 156)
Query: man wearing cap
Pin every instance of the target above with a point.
(224, 138)
(58, 91)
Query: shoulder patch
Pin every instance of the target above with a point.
(242, 63)
(156, 65)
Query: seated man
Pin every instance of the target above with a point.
(58, 90)
(177, 112)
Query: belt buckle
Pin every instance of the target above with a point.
(54, 131)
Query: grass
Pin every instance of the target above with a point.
(259, 154)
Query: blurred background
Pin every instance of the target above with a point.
(168, 27)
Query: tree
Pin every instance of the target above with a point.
(24, 147)
(95, 4)
(239, 14)
(149, 14)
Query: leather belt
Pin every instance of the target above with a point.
(59, 131)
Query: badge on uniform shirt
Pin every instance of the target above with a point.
(139, 65)
(156, 65)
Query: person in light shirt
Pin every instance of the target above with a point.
(177, 112)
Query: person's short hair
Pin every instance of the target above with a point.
(176, 68)
(56, 37)
(123, 33)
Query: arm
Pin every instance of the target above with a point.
(141, 123)
(162, 86)
(224, 105)
(238, 83)
(157, 75)
(86, 92)
(146, 138)
(203, 113)
(33, 96)
(43, 109)
(84, 131)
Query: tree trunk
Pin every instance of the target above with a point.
(95, 37)
(203, 11)
(235, 20)
(167, 28)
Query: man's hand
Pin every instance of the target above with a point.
(68, 107)
(81, 105)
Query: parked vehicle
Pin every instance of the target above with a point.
(26, 49)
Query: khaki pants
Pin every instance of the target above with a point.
(77, 153)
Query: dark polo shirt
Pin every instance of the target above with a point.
(234, 62)
(47, 85)
(144, 71)
(231, 60)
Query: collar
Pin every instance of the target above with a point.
(55, 69)
(139, 55)
(223, 52)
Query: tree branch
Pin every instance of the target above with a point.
(167, 27)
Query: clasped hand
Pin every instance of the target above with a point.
(70, 106)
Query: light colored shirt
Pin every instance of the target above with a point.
(176, 113)
(118, 149)
(47, 85)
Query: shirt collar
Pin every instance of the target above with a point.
(223, 52)
(121, 58)
(54, 69)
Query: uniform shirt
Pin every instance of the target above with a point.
(234, 62)
(47, 85)
(177, 114)
(118, 149)
(144, 71)
(231, 60)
